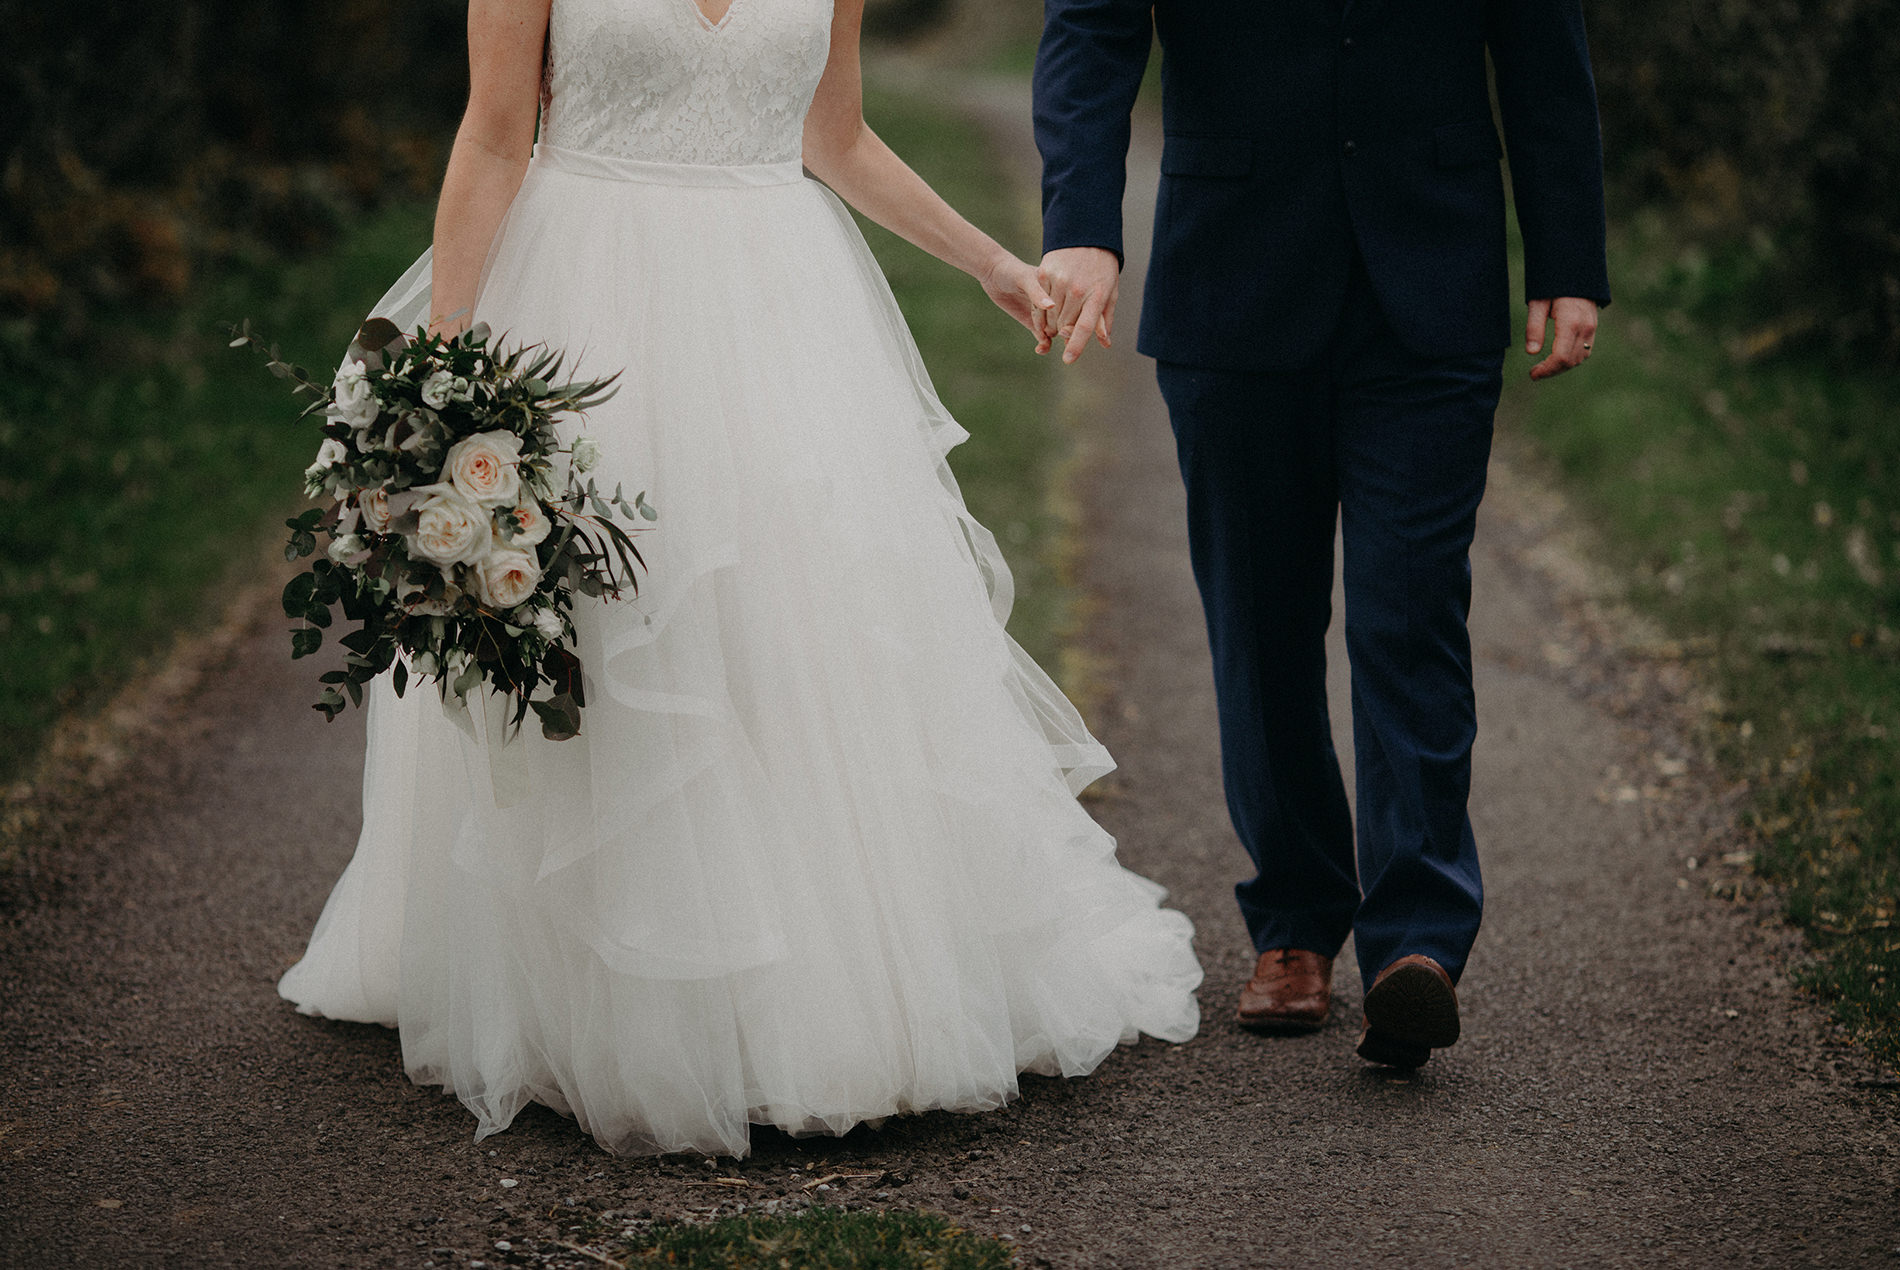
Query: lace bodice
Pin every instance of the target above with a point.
(654, 80)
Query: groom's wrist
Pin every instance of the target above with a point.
(1057, 242)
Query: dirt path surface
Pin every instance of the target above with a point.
(1638, 1083)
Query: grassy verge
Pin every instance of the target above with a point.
(139, 475)
(820, 1239)
(983, 364)
(1753, 497)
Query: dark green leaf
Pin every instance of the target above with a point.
(298, 593)
(560, 717)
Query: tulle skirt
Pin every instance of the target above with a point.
(816, 857)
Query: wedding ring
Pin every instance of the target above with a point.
(1586, 348)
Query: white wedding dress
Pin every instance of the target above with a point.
(816, 857)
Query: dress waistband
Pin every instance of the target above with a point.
(607, 167)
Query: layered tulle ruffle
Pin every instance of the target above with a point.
(816, 857)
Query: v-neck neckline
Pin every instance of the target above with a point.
(706, 23)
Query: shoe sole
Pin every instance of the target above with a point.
(1378, 1048)
(1412, 1007)
(1272, 1025)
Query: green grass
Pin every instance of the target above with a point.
(983, 364)
(819, 1239)
(1753, 497)
(139, 474)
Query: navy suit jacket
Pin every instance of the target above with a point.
(1297, 130)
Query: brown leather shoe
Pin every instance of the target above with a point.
(1411, 1010)
(1291, 992)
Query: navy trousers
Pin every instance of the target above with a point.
(1395, 445)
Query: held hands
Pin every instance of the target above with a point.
(1015, 288)
(1576, 330)
(1084, 282)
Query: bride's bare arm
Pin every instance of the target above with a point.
(843, 152)
(506, 48)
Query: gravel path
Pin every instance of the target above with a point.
(1638, 1083)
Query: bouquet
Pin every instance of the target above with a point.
(460, 527)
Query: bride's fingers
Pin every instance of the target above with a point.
(1041, 310)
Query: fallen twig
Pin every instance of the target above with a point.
(601, 1257)
(829, 1178)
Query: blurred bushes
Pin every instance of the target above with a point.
(1774, 126)
(138, 141)
(895, 19)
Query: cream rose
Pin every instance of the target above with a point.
(450, 530)
(506, 577)
(586, 453)
(531, 525)
(485, 468)
(375, 506)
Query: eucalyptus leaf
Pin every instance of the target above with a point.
(378, 334)
(297, 594)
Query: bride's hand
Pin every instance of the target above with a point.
(1013, 285)
(449, 325)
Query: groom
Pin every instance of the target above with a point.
(1328, 305)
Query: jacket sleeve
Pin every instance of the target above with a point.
(1088, 70)
(1548, 99)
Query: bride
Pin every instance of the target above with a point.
(816, 858)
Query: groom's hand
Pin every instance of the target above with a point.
(1576, 330)
(1083, 282)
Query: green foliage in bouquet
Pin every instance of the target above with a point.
(460, 525)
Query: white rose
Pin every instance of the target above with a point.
(531, 525)
(586, 454)
(436, 389)
(547, 623)
(316, 477)
(506, 577)
(356, 402)
(375, 506)
(450, 530)
(343, 548)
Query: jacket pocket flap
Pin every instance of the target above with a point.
(1207, 156)
(1457, 145)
